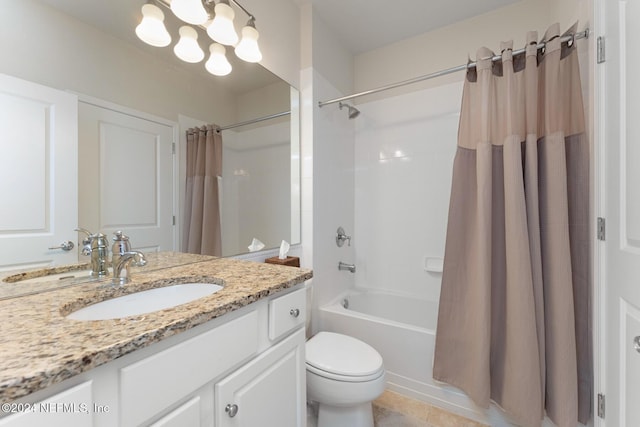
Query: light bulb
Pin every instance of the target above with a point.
(187, 47)
(190, 11)
(221, 29)
(248, 49)
(217, 64)
(151, 29)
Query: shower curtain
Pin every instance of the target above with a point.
(513, 322)
(202, 229)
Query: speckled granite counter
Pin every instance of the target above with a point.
(39, 347)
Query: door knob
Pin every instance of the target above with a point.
(65, 246)
(295, 312)
(231, 410)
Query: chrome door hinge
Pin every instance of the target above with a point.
(602, 229)
(601, 405)
(600, 50)
(173, 148)
(174, 220)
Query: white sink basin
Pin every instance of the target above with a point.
(145, 301)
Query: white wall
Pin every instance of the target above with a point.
(448, 47)
(404, 156)
(327, 152)
(256, 196)
(333, 194)
(278, 22)
(62, 52)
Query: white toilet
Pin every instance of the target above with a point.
(344, 375)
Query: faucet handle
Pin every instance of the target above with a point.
(120, 243)
(341, 237)
(119, 236)
(84, 230)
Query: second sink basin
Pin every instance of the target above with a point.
(145, 301)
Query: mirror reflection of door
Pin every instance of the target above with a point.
(38, 174)
(126, 169)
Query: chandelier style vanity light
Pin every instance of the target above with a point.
(215, 18)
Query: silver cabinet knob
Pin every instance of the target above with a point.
(65, 246)
(294, 312)
(231, 410)
(636, 343)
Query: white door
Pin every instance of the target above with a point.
(620, 146)
(126, 170)
(38, 174)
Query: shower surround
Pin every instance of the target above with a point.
(404, 150)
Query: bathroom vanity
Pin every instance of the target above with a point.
(233, 358)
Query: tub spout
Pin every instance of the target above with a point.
(347, 267)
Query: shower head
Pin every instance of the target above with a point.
(353, 111)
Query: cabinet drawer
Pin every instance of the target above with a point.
(149, 386)
(286, 313)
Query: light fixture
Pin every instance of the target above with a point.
(221, 29)
(190, 11)
(214, 17)
(151, 29)
(187, 47)
(248, 49)
(217, 64)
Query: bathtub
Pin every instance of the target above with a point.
(402, 329)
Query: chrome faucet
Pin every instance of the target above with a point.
(341, 237)
(121, 267)
(96, 246)
(347, 267)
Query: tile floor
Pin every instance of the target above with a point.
(395, 410)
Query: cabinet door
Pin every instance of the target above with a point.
(186, 415)
(70, 408)
(267, 392)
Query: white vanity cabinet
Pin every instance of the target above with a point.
(245, 368)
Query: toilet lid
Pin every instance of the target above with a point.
(342, 355)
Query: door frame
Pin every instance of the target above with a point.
(598, 210)
(88, 99)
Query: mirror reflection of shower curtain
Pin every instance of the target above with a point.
(513, 323)
(202, 226)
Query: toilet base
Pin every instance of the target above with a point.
(350, 416)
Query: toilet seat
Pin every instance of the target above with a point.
(342, 358)
(345, 378)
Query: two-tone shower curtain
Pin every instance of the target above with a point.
(513, 322)
(202, 228)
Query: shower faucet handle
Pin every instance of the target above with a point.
(341, 237)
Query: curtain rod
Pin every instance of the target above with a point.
(248, 122)
(579, 35)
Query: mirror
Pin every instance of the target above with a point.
(90, 48)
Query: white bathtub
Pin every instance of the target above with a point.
(402, 329)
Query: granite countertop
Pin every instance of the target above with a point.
(39, 347)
